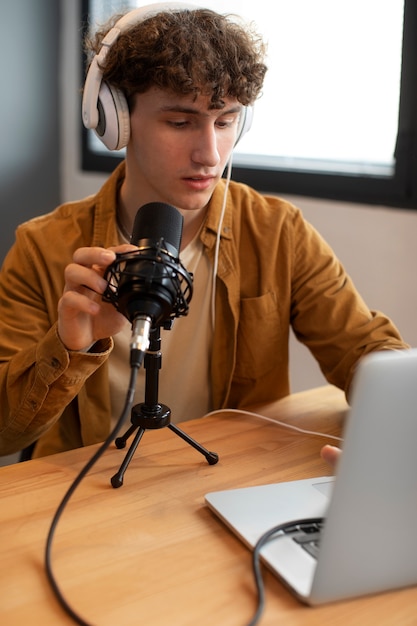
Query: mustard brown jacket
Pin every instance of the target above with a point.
(274, 272)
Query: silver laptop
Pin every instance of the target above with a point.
(368, 541)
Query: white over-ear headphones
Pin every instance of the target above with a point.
(104, 107)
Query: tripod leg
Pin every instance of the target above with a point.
(117, 479)
(121, 441)
(211, 457)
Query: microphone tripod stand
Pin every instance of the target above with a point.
(150, 415)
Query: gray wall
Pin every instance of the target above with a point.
(29, 109)
(29, 114)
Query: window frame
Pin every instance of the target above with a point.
(397, 190)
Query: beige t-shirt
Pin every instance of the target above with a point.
(184, 378)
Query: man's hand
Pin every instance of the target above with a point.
(331, 455)
(83, 317)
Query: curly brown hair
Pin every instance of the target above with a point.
(188, 52)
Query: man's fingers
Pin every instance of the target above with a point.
(77, 303)
(331, 455)
(78, 277)
(101, 257)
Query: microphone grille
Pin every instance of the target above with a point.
(155, 220)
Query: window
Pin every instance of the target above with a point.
(338, 115)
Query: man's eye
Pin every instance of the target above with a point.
(227, 123)
(178, 123)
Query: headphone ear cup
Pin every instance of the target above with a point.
(245, 122)
(113, 126)
(104, 108)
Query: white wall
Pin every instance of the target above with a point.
(376, 244)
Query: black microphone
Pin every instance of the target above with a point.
(150, 286)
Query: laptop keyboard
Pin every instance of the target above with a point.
(306, 535)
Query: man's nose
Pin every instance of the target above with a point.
(205, 150)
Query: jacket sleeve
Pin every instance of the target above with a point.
(328, 315)
(38, 376)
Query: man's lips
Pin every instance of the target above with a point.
(199, 182)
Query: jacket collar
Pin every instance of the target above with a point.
(106, 201)
(213, 216)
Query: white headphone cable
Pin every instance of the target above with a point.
(276, 422)
(217, 247)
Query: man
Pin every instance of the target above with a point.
(184, 82)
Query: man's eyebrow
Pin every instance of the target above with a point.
(191, 111)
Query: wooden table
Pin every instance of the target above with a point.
(151, 552)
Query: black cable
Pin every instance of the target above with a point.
(263, 539)
(51, 578)
(267, 536)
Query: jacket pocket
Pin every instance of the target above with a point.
(260, 340)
